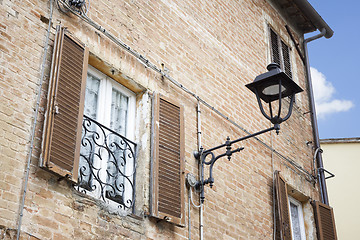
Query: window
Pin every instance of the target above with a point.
(297, 219)
(89, 133)
(289, 215)
(280, 53)
(89, 126)
(106, 163)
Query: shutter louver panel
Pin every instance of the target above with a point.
(283, 207)
(275, 53)
(167, 168)
(62, 135)
(325, 223)
(169, 159)
(280, 52)
(286, 56)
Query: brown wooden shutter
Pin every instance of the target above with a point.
(275, 53)
(325, 223)
(283, 208)
(167, 201)
(280, 53)
(65, 106)
(286, 59)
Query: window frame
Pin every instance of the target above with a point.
(103, 116)
(106, 83)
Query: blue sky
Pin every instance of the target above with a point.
(335, 66)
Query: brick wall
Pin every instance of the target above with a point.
(213, 48)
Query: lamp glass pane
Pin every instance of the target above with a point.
(273, 90)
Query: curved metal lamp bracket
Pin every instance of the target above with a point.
(202, 155)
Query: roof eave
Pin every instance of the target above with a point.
(308, 10)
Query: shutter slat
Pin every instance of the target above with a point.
(66, 92)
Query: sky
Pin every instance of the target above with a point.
(335, 65)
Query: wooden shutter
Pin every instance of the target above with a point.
(286, 59)
(63, 119)
(280, 53)
(167, 201)
(325, 223)
(275, 53)
(283, 208)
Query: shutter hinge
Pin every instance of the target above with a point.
(56, 109)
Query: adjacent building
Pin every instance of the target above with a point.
(103, 104)
(341, 157)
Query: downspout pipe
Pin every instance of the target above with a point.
(321, 174)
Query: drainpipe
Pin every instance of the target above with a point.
(319, 23)
(321, 174)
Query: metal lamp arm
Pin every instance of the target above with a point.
(275, 127)
(203, 154)
(209, 151)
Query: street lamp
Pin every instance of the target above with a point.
(271, 86)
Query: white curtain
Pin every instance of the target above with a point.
(295, 221)
(87, 143)
(117, 161)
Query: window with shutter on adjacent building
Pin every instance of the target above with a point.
(290, 223)
(167, 162)
(280, 52)
(89, 126)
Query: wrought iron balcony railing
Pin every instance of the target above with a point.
(107, 165)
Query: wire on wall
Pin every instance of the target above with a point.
(273, 186)
(32, 136)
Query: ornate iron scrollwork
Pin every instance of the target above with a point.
(107, 165)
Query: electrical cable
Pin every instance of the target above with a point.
(315, 171)
(192, 200)
(273, 187)
(189, 215)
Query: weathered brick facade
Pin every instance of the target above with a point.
(212, 48)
